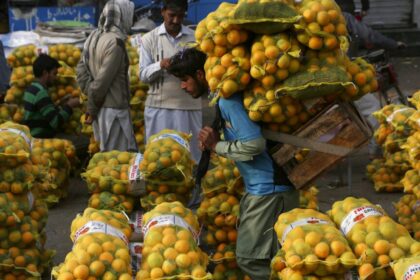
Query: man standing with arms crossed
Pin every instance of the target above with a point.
(167, 106)
(268, 191)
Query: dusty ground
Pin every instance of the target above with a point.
(60, 217)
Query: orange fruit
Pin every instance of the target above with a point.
(315, 43)
(322, 250)
(97, 268)
(81, 271)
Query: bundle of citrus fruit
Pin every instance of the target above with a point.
(222, 187)
(397, 136)
(111, 178)
(67, 53)
(374, 237)
(170, 244)
(22, 56)
(167, 158)
(110, 171)
(311, 244)
(322, 25)
(408, 213)
(111, 201)
(166, 192)
(100, 249)
(52, 156)
(272, 49)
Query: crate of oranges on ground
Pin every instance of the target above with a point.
(100, 249)
(170, 245)
(374, 237)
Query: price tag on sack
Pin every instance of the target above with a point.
(168, 220)
(302, 222)
(411, 271)
(176, 138)
(137, 184)
(99, 227)
(357, 215)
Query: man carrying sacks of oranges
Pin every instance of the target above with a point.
(266, 191)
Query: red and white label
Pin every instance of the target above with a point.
(136, 253)
(356, 215)
(135, 221)
(302, 222)
(168, 220)
(411, 271)
(134, 172)
(99, 227)
(176, 138)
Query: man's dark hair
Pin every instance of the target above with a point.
(175, 5)
(187, 62)
(44, 63)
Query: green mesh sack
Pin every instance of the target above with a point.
(110, 201)
(167, 158)
(265, 17)
(315, 82)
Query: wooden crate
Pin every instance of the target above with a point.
(333, 134)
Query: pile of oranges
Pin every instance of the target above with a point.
(66, 53)
(215, 35)
(108, 178)
(110, 201)
(22, 56)
(229, 73)
(170, 249)
(166, 192)
(408, 214)
(219, 213)
(363, 75)
(311, 244)
(375, 238)
(51, 158)
(15, 141)
(99, 254)
(22, 215)
(279, 113)
(22, 76)
(274, 58)
(109, 171)
(167, 158)
(322, 24)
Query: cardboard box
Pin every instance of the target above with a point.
(333, 134)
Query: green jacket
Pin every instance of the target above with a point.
(41, 115)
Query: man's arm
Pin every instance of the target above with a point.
(240, 151)
(98, 88)
(150, 69)
(250, 141)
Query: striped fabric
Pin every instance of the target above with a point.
(41, 115)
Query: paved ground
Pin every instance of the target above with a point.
(60, 217)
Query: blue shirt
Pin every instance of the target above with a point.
(258, 173)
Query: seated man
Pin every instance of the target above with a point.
(41, 115)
